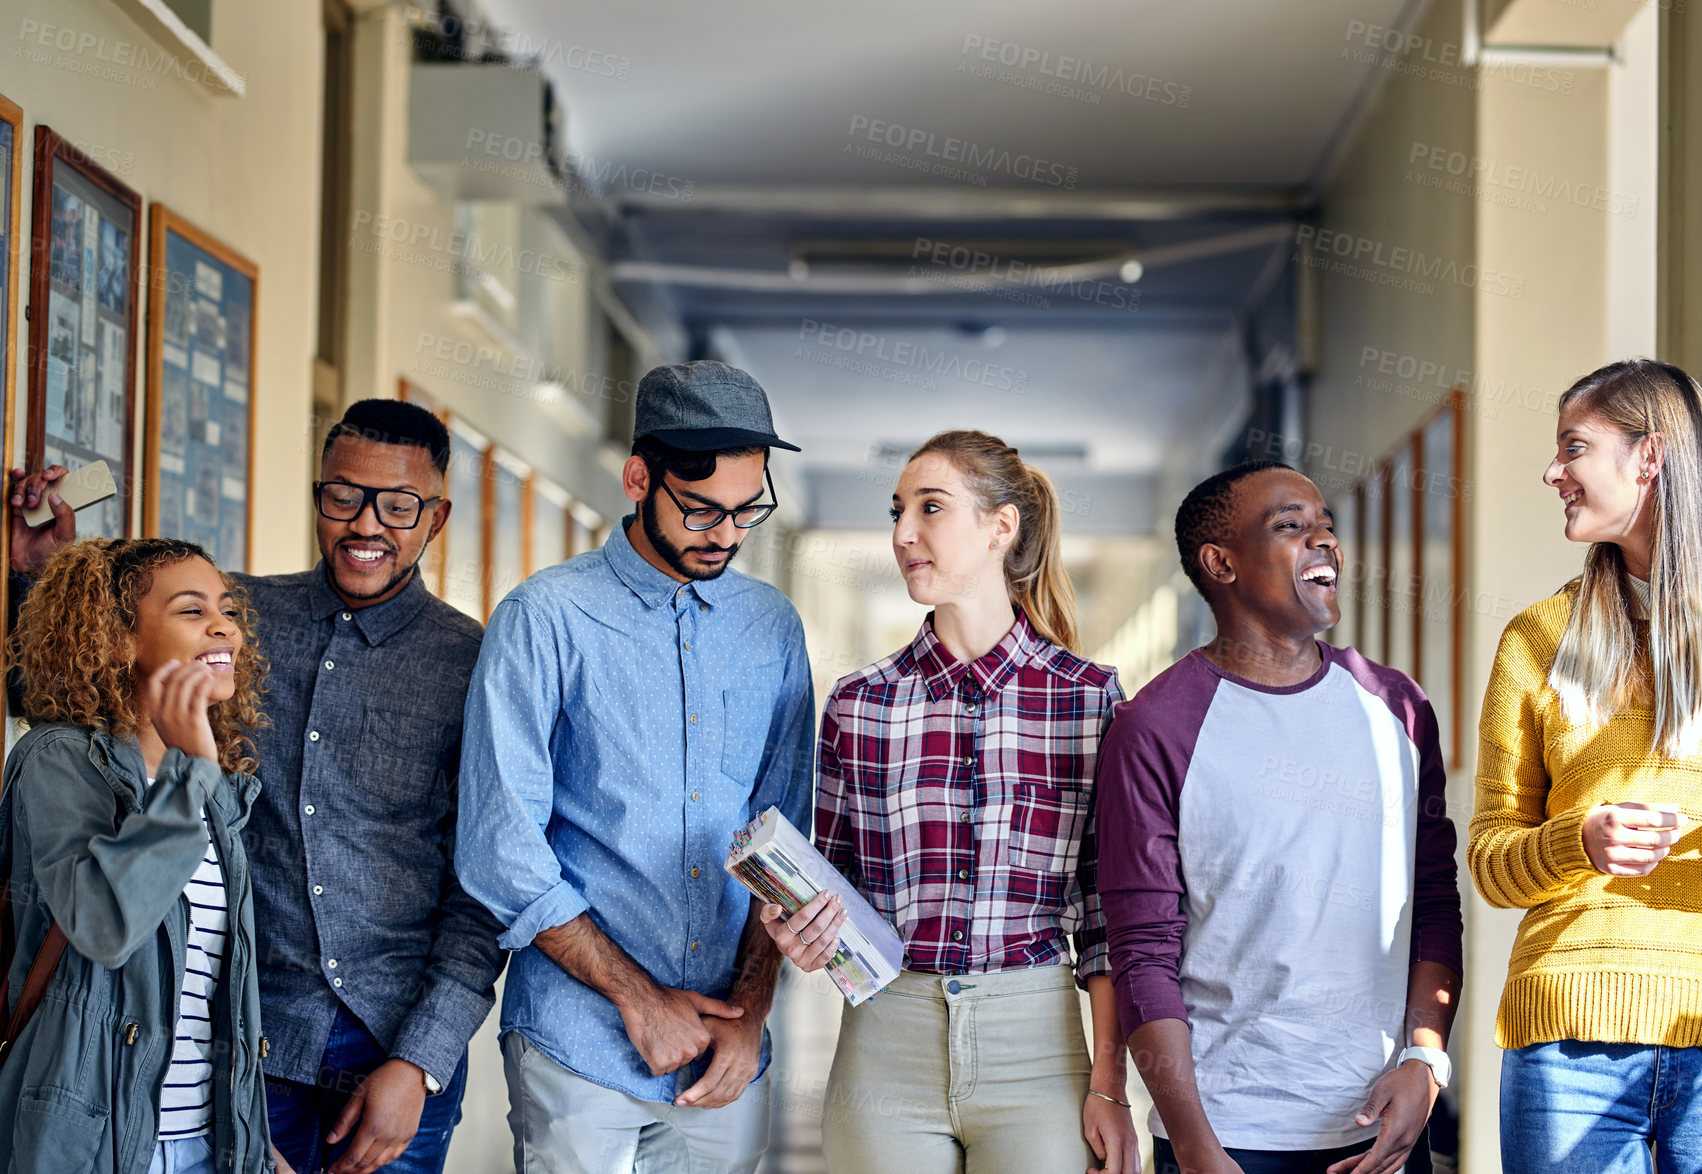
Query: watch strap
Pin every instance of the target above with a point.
(1441, 1067)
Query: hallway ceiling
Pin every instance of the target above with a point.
(774, 175)
(763, 92)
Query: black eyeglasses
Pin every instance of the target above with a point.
(745, 517)
(396, 509)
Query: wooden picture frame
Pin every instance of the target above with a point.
(1362, 580)
(85, 295)
(1374, 527)
(11, 191)
(548, 544)
(466, 537)
(1441, 520)
(1402, 571)
(487, 531)
(203, 311)
(1344, 513)
(1410, 526)
(437, 553)
(507, 525)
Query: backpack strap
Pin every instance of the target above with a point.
(35, 983)
(46, 959)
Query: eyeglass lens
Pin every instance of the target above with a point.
(396, 507)
(744, 519)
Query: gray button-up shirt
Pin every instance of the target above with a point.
(352, 839)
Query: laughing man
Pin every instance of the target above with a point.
(1284, 920)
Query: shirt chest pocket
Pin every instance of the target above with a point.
(402, 758)
(746, 717)
(1047, 823)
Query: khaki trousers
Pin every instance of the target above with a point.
(965, 1074)
(565, 1124)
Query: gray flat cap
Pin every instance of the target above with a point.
(704, 406)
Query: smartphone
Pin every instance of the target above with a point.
(80, 488)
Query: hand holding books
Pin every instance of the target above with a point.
(816, 936)
(775, 861)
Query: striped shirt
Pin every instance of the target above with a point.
(186, 1100)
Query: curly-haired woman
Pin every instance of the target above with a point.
(120, 816)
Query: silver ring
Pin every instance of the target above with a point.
(806, 941)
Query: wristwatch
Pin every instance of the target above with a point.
(432, 1087)
(1441, 1068)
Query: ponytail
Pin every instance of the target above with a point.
(1034, 564)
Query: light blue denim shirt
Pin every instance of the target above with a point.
(620, 727)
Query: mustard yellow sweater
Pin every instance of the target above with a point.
(1599, 958)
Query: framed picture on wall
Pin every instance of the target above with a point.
(1441, 508)
(200, 436)
(436, 564)
(84, 260)
(508, 523)
(464, 539)
(551, 539)
(1346, 514)
(1374, 567)
(1409, 609)
(11, 184)
(1402, 569)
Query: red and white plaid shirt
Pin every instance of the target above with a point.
(959, 800)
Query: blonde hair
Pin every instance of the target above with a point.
(73, 638)
(1034, 564)
(1602, 665)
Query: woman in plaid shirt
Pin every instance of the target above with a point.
(956, 792)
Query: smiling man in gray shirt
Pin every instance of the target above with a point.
(375, 967)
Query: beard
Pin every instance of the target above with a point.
(400, 576)
(675, 556)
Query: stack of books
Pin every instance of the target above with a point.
(777, 862)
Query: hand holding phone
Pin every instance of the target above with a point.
(79, 489)
(33, 546)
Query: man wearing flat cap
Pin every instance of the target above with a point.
(631, 709)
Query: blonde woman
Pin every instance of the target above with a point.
(955, 791)
(1589, 785)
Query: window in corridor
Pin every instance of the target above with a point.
(463, 538)
(552, 524)
(505, 489)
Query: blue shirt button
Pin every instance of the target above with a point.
(954, 986)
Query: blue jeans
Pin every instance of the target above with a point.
(184, 1155)
(302, 1114)
(1587, 1108)
(1291, 1161)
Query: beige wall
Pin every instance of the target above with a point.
(405, 249)
(1553, 290)
(1633, 170)
(244, 169)
(1381, 316)
(1680, 252)
(247, 170)
(1543, 343)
